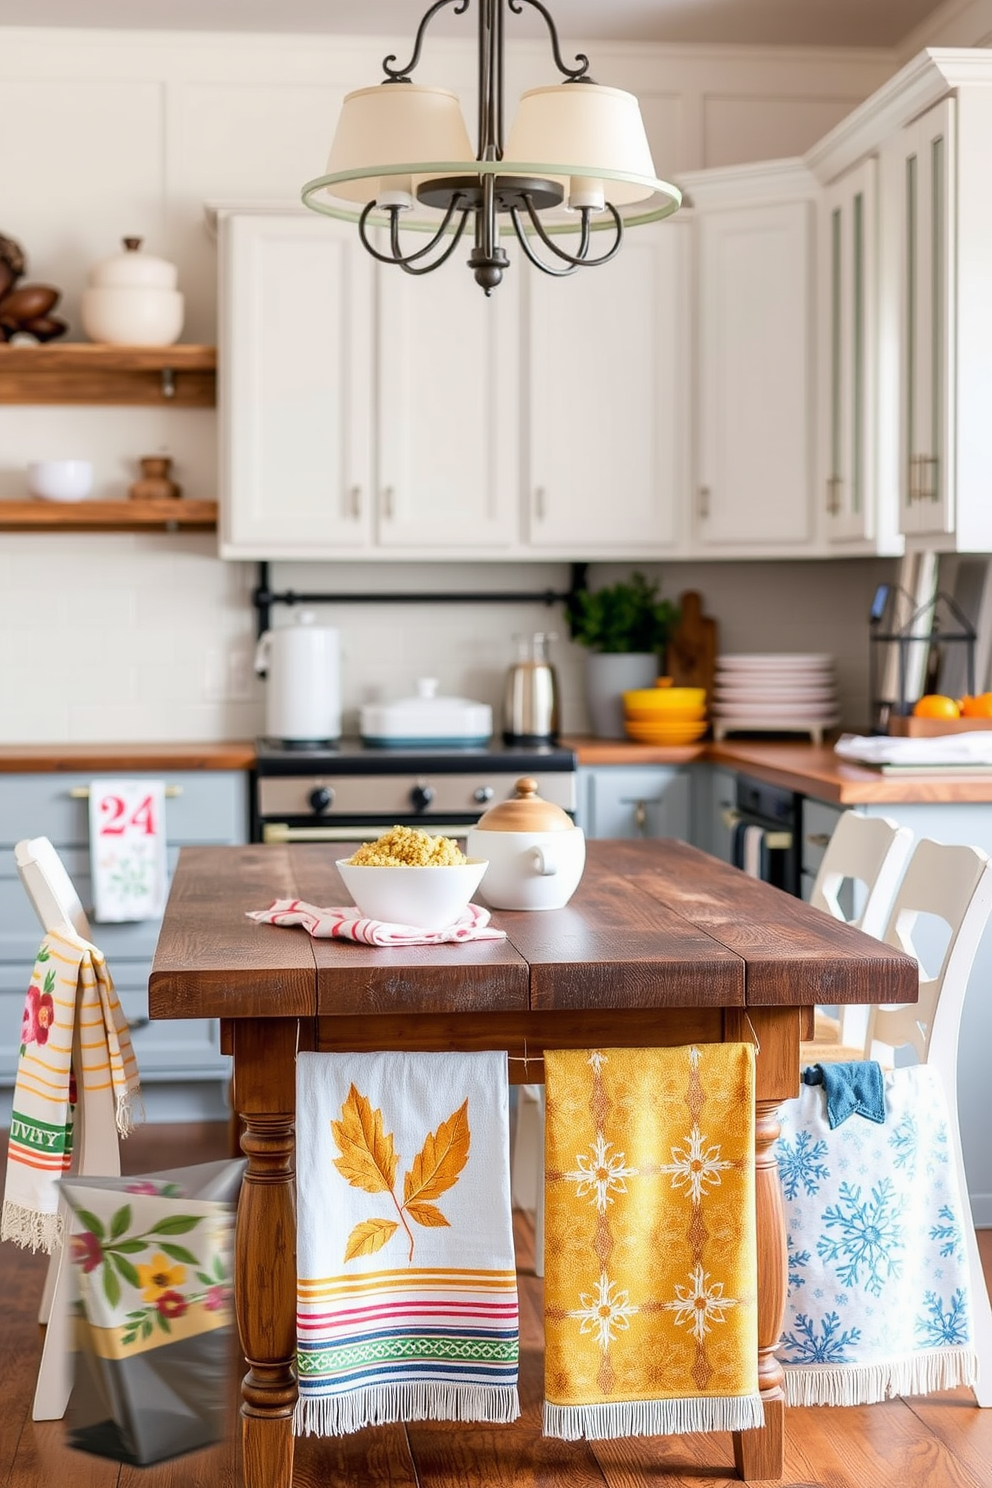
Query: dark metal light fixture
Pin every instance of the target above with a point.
(577, 161)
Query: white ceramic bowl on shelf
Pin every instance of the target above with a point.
(427, 898)
(60, 480)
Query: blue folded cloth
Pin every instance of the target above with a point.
(855, 1089)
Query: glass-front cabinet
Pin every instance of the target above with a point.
(849, 243)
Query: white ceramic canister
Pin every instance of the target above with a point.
(535, 852)
(302, 663)
(131, 299)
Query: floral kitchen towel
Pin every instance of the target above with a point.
(347, 924)
(650, 1249)
(879, 1288)
(70, 990)
(128, 859)
(407, 1294)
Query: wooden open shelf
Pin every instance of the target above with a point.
(107, 516)
(180, 376)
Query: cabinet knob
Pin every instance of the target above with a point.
(640, 817)
(356, 501)
(387, 503)
(818, 839)
(704, 501)
(539, 503)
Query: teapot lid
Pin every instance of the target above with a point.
(526, 811)
(133, 270)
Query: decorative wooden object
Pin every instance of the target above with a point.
(25, 308)
(931, 728)
(183, 376)
(660, 945)
(691, 657)
(105, 516)
(155, 483)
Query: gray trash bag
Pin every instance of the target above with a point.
(154, 1334)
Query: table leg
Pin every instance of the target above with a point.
(265, 1247)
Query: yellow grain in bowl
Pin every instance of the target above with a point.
(408, 847)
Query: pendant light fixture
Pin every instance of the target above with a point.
(576, 162)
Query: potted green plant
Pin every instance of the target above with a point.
(625, 628)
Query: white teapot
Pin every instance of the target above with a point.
(535, 851)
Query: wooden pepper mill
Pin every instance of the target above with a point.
(155, 483)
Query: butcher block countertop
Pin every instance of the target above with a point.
(810, 769)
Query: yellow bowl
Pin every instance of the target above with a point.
(665, 733)
(661, 719)
(665, 701)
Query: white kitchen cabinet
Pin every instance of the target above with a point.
(754, 384)
(607, 408)
(635, 801)
(364, 411)
(848, 272)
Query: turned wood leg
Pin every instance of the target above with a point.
(265, 1248)
(760, 1455)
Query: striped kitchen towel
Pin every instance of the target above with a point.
(650, 1290)
(71, 991)
(406, 1291)
(347, 924)
(879, 1299)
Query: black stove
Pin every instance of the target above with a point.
(347, 790)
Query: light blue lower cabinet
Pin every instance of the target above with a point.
(184, 1076)
(635, 801)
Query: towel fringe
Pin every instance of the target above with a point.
(30, 1228)
(129, 1111)
(379, 1405)
(865, 1384)
(653, 1417)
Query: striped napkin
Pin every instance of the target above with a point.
(879, 1288)
(128, 856)
(348, 924)
(650, 1288)
(407, 1296)
(70, 989)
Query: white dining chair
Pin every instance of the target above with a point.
(942, 907)
(96, 1149)
(857, 882)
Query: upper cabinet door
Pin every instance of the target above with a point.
(448, 412)
(754, 416)
(927, 473)
(295, 389)
(849, 279)
(608, 407)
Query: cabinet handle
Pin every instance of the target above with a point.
(136, 1024)
(640, 817)
(539, 503)
(82, 792)
(704, 501)
(914, 478)
(834, 483)
(356, 501)
(818, 839)
(928, 486)
(387, 503)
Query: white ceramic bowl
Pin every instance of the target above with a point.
(429, 898)
(529, 870)
(60, 480)
(132, 316)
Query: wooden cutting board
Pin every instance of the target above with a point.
(691, 655)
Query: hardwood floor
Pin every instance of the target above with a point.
(938, 1441)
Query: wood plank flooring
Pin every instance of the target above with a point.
(939, 1441)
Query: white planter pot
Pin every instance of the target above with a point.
(608, 676)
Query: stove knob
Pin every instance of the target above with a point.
(421, 796)
(321, 798)
(483, 794)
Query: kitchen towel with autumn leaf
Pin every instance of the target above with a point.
(650, 1288)
(70, 987)
(406, 1291)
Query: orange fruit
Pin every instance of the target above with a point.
(977, 707)
(935, 705)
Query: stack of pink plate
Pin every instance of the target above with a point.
(775, 692)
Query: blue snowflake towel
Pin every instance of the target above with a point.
(879, 1299)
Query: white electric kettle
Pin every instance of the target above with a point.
(302, 664)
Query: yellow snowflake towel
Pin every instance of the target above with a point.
(650, 1256)
(70, 986)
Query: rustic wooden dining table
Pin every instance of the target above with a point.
(661, 945)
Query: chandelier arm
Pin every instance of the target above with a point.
(538, 263)
(394, 212)
(574, 74)
(578, 260)
(399, 256)
(402, 74)
(409, 264)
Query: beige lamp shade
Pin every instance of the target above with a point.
(598, 129)
(395, 124)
